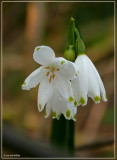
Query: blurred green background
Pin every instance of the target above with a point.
(28, 24)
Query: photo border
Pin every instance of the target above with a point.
(114, 82)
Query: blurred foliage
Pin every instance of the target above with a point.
(26, 25)
(108, 118)
(12, 84)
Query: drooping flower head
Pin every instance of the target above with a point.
(88, 83)
(55, 73)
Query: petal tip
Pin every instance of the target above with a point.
(54, 115)
(40, 107)
(82, 101)
(23, 86)
(71, 99)
(68, 114)
(58, 116)
(104, 97)
(37, 48)
(74, 117)
(46, 115)
(75, 103)
(63, 62)
(97, 99)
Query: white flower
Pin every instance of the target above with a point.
(54, 73)
(88, 83)
(59, 106)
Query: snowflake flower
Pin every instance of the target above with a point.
(54, 73)
(88, 83)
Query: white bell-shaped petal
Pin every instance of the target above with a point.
(80, 85)
(33, 79)
(56, 106)
(88, 83)
(79, 91)
(59, 106)
(64, 87)
(102, 89)
(67, 68)
(74, 112)
(69, 111)
(93, 85)
(44, 93)
(43, 55)
(48, 109)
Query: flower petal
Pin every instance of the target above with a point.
(67, 68)
(59, 106)
(33, 79)
(44, 93)
(93, 85)
(68, 110)
(64, 87)
(102, 89)
(60, 61)
(56, 106)
(74, 112)
(48, 109)
(43, 55)
(80, 84)
(54, 103)
(80, 91)
(72, 70)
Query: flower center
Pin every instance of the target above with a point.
(51, 72)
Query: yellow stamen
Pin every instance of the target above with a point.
(47, 67)
(53, 70)
(57, 69)
(53, 76)
(50, 79)
(47, 73)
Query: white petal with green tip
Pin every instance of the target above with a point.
(33, 79)
(48, 109)
(44, 93)
(88, 83)
(43, 55)
(102, 89)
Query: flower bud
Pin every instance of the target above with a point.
(71, 32)
(69, 53)
(80, 47)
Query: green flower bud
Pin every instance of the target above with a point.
(71, 33)
(69, 53)
(80, 47)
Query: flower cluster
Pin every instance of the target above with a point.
(64, 85)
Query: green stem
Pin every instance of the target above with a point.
(58, 134)
(70, 132)
(62, 134)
